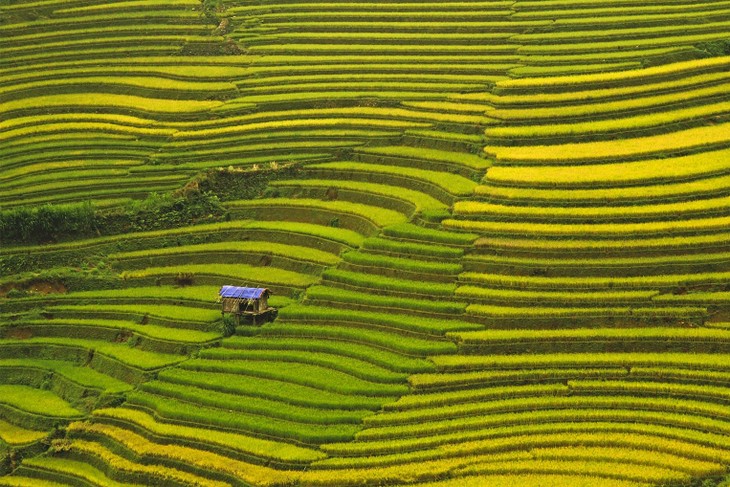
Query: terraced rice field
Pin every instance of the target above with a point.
(496, 233)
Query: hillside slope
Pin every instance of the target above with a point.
(496, 233)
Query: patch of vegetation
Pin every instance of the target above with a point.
(720, 47)
(234, 183)
(46, 223)
(52, 222)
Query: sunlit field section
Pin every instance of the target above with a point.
(495, 234)
(90, 90)
(600, 219)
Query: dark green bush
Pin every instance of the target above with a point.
(160, 211)
(243, 184)
(49, 223)
(6, 465)
(16, 293)
(46, 223)
(720, 47)
(228, 326)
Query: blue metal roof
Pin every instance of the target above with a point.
(242, 292)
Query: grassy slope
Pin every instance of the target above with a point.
(401, 103)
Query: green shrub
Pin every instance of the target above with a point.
(228, 326)
(720, 47)
(160, 211)
(53, 222)
(46, 223)
(16, 293)
(234, 183)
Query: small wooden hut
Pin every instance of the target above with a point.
(250, 301)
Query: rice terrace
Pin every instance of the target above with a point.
(347, 243)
